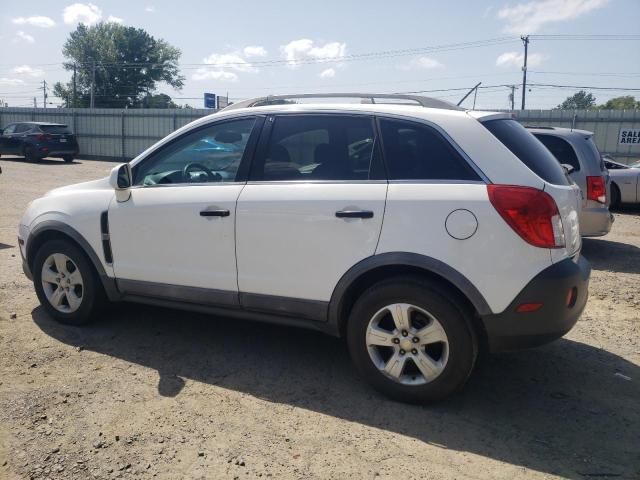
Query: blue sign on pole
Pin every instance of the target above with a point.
(209, 100)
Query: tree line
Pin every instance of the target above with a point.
(587, 101)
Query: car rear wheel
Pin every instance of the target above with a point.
(66, 283)
(410, 339)
(68, 158)
(30, 154)
(615, 196)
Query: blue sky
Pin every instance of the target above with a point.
(311, 43)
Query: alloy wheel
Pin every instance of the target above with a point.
(62, 283)
(407, 344)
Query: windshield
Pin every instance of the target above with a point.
(55, 129)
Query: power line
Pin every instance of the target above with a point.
(551, 85)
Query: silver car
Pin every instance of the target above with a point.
(625, 181)
(576, 151)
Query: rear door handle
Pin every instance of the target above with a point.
(354, 214)
(214, 213)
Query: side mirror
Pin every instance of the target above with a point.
(567, 168)
(120, 179)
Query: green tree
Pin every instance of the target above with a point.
(578, 101)
(160, 100)
(621, 103)
(126, 62)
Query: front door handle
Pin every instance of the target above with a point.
(354, 214)
(214, 213)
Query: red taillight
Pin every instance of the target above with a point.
(43, 136)
(532, 214)
(596, 189)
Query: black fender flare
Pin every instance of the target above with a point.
(423, 262)
(108, 283)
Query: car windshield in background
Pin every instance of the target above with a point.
(55, 129)
(528, 149)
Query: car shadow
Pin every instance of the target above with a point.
(612, 256)
(44, 161)
(567, 409)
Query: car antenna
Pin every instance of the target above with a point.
(469, 93)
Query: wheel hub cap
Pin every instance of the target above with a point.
(62, 283)
(407, 344)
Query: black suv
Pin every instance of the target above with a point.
(36, 140)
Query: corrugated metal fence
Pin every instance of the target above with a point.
(122, 134)
(109, 133)
(606, 125)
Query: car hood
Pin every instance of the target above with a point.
(100, 184)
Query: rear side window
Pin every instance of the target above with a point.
(55, 129)
(418, 152)
(561, 149)
(318, 147)
(528, 149)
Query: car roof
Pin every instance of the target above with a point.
(558, 131)
(46, 123)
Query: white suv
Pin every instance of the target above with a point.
(421, 232)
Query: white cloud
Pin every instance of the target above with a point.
(88, 14)
(254, 51)
(222, 66)
(150, 8)
(35, 21)
(328, 73)
(531, 16)
(203, 74)
(424, 63)
(26, 37)
(515, 59)
(303, 49)
(230, 61)
(10, 82)
(26, 70)
(115, 19)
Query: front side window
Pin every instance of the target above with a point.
(9, 130)
(22, 127)
(417, 152)
(209, 154)
(318, 147)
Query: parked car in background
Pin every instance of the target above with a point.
(422, 233)
(576, 151)
(625, 181)
(36, 140)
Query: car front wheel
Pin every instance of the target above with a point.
(409, 338)
(66, 283)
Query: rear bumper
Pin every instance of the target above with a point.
(595, 222)
(511, 330)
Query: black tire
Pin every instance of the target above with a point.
(615, 197)
(442, 304)
(93, 296)
(68, 158)
(30, 154)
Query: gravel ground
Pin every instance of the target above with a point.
(149, 392)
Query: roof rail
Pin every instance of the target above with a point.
(365, 97)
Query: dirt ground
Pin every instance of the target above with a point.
(148, 392)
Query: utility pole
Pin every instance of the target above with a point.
(74, 86)
(93, 84)
(525, 40)
(35, 102)
(44, 93)
(512, 96)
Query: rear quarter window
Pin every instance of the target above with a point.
(528, 149)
